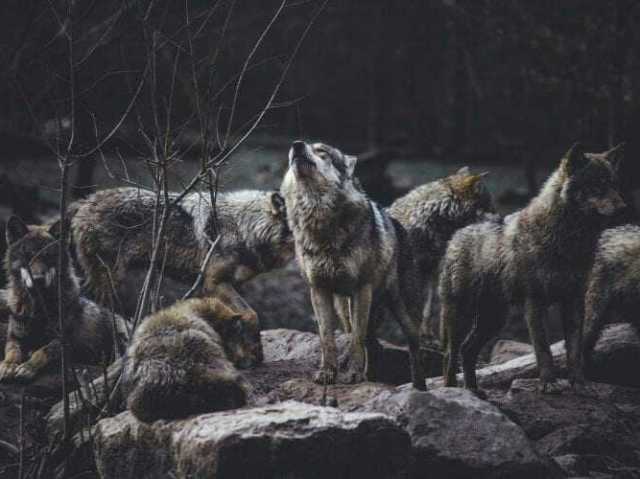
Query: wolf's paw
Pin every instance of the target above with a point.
(325, 376)
(479, 393)
(551, 387)
(7, 370)
(25, 372)
(354, 376)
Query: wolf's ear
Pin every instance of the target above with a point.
(277, 204)
(615, 155)
(464, 171)
(54, 229)
(575, 159)
(16, 229)
(350, 163)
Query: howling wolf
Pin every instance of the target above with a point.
(354, 256)
(536, 257)
(33, 337)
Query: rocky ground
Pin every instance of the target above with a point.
(295, 428)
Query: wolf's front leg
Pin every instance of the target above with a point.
(360, 311)
(572, 321)
(535, 313)
(13, 356)
(39, 360)
(324, 311)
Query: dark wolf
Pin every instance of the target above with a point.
(431, 214)
(112, 233)
(182, 360)
(354, 256)
(536, 257)
(94, 334)
(614, 283)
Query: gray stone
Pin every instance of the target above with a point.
(456, 435)
(287, 440)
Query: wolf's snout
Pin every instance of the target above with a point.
(298, 147)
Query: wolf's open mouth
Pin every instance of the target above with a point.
(303, 164)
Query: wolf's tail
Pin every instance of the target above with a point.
(163, 391)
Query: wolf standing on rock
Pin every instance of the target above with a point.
(112, 231)
(614, 283)
(354, 257)
(31, 263)
(431, 214)
(538, 256)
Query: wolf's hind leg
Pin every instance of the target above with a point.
(484, 328)
(324, 311)
(450, 339)
(343, 308)
(411, 329)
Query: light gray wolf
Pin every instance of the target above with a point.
(536, 257)
(33, 337)
(113, 232)
(356, 259)
(182, 360)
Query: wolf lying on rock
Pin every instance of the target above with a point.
(33, 338)
(181, 360)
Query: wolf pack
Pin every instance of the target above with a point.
(363, 264)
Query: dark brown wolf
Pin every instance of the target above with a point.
(33, 337)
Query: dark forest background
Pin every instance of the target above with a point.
(493, 81)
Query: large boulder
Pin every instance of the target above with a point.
(456, 435)
(600, 421)
(290, 439)
(391, 362)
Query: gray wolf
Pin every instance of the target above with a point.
(182, 360)
(33, 337)
(356, 259)
(613, 286)
(430, 214)
(536, 257)
(112, 232)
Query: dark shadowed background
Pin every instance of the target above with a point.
(417, 88)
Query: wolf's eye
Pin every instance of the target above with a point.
(323, 155)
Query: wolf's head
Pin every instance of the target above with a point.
(590, 181)
(320, 165)
(470, 192)
(32, 254)
(240, 332)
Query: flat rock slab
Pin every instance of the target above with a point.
(456, 435)
(288, 440)
(618, 347)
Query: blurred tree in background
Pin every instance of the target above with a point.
(477, 78)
